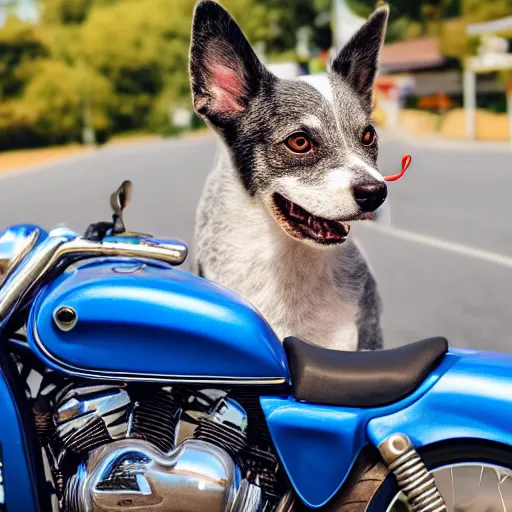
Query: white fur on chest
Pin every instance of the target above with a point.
(291, 308)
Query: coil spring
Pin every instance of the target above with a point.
(417, 483)
(72, 497)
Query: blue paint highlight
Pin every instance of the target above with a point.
(472, 400)
(14, 238)
(19, 479)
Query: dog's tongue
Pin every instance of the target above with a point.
(323, 228)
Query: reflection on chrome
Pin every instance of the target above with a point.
(133, 473)
(15, 244)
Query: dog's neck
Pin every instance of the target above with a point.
(288, 281)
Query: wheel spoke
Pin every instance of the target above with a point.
(453, 489)
(470, 487)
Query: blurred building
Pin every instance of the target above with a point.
(493, 56)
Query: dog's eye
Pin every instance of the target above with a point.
(369, 136)
(299, 143)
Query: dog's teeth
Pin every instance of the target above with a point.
(310, 221)
(295, 212)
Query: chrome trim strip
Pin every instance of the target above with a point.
(168, 379)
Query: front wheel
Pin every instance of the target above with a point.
(471, 476)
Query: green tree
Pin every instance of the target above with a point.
(476, 10)
(20, 44)
(142, 49)
(454, 39)
(59, 96)
(68, 12)
(410, 19)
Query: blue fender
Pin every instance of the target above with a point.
(472, 400)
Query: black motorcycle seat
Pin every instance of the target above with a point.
(360, 379)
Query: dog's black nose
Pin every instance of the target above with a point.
(370, 196)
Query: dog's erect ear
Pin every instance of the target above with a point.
(224, 70)
(358, 60)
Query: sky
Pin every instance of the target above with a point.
(24, 9)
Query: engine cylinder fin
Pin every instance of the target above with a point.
(223, 436)
(257, 461)
(249, 399)
(155, 418)
(92, 435)
(260, 467)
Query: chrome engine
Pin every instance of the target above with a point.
(116, 448)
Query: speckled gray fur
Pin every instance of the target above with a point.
(324, 294)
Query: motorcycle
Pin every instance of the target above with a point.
(127, 383)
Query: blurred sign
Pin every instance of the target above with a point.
(285, 70)
(489, 27)
(489, 62)
(303, 36)
(493, 52)
(181, 118)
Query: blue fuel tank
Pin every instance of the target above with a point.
(146, 321)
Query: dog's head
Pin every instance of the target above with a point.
(308, 155)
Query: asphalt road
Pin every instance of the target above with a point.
(444, 266)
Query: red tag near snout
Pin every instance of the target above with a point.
(406, 162)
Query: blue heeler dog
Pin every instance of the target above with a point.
(296, 166)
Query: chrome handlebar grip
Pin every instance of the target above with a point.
(53, 251)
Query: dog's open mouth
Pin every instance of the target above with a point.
(301, 224)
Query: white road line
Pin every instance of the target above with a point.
(444, 245)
